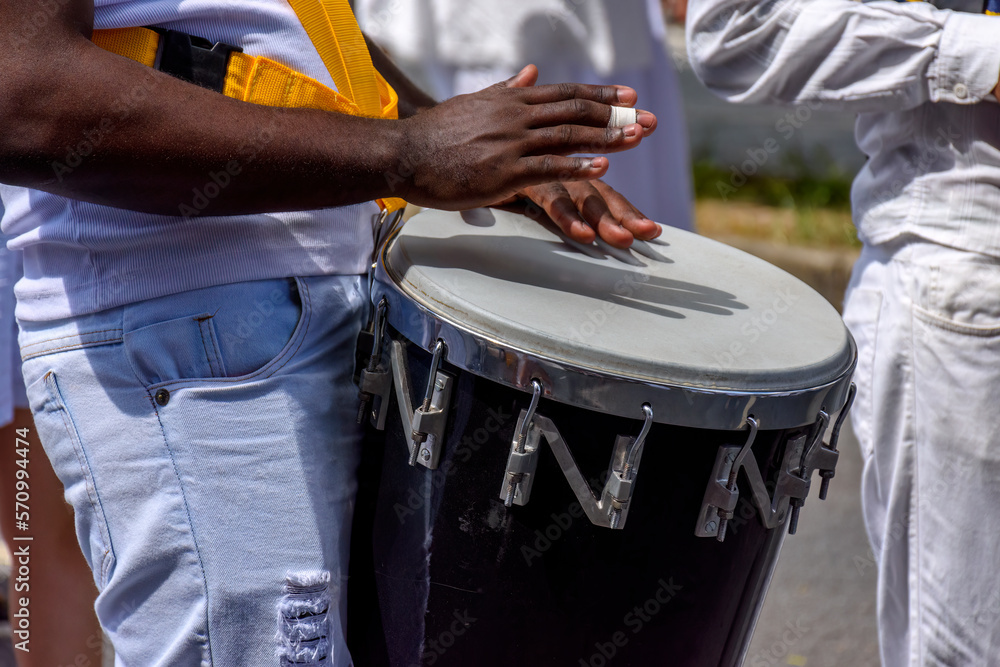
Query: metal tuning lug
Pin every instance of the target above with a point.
(721, 494)
(624, 468)
(803, 454)
(523, 459)
(611, 510)
(827, 471)
(376, 381)
(726, 514)
(428, 422)
(813, 454)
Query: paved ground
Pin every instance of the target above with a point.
(820, 610)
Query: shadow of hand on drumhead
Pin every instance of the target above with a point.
(553, 265)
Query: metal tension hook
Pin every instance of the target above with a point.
(429, 419)
(608, 511)
(726, 514)
(376, 382)
(523, 457)
(620, 485)
(827, 473)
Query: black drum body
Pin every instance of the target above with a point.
(580, 458)
(461, 580)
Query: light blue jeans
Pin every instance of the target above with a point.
(207, 443)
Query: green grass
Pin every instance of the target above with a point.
(820, 201)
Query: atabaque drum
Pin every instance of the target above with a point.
(586, 456)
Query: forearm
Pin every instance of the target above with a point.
(93, 126)
(86, 124)
(411, 98)
(875, 56)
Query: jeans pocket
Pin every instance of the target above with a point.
(184, 347)
(957, 292)
(239, 331)
(70, 460)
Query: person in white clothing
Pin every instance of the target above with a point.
(453, 48)
(924, 299)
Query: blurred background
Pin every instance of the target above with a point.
(774, 182)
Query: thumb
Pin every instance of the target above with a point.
(525, 78)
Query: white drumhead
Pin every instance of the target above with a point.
(702, 315)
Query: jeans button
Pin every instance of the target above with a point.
(162, 396)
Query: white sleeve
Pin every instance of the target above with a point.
(858, 56)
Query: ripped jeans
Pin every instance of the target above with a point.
(207, 443)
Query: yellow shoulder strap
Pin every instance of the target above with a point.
(334, 32)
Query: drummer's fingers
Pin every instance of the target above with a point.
(526, 78)
(595, 210)
(570, 139)
(575, 112)
(558, 204)
(648, 121)
(558, 92)
(538, 169)
(630, 217)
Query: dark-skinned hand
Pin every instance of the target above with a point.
(581, 208)
(491, 146)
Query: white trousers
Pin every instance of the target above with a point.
(927, 322)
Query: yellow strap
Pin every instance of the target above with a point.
(266, 82)
(334, 32)
(138, 44)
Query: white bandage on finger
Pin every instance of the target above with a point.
(622, 116)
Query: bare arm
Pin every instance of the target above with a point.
(164, 137)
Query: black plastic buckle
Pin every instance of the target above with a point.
(193, 59)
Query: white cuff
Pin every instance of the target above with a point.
(968, 61)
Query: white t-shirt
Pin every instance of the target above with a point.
(81, 258)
